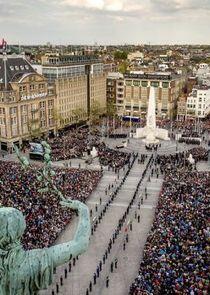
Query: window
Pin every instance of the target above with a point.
(128, 82)
(165, 84)
(136, 83)
(22, 88)
(32, 87)
(144, 83)
(13, 121)
(2, 111)
(41, 86)
(154, 83)
(13, 110)
(42, 104)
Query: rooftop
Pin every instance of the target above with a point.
(15, 66)
(115, 75)
(150, 76)
(70, 60)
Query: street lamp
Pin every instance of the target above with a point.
(131, 114)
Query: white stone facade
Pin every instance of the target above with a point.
(198, 102)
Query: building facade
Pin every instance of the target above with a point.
(135, 95)
(182, 108)
(26, 102)
(198, 102)
(112, 86)
(80, 83)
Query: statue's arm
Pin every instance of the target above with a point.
(62, 253)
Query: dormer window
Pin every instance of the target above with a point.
(22, 67)
(17, 68)
(11, 68)
(26, 67)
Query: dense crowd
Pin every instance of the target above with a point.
(45, 218)
(188, 126)
(112, 158)
(189, 140)
(69, 145)
(78, 141)
(175, 257)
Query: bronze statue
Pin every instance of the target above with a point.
(25, 272)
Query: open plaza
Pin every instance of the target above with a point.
(147, 204)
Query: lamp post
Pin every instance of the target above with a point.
(131, 114)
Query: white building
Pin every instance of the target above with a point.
(163, 67)
(198, 102)
(203, 73)
(135, 56)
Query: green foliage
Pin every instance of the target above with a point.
(120, 55)
(123, 67)
(198, 59)
(78, 114)
(111, 109)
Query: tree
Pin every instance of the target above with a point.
(58, 119)
(123, 67)
(79, 115)
(111, 109)
(34, 128)
(120, 55)
(95, 112)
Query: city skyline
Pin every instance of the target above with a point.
(105, 21)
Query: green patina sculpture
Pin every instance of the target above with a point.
(25, 272)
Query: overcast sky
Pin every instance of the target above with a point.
(105, 21)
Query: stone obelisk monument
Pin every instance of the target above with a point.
(150, 132)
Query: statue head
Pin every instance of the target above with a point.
(12, 227)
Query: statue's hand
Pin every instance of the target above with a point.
(73, 204)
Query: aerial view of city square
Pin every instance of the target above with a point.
(104, 147)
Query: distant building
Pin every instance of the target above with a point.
(135, 93)
(26, 102)
(110, 67)
(114, 87)
(203, 74)
(182, 108)
(191, 82)
(137, 55)
(198, 102)
(80, 83)
(163, 67)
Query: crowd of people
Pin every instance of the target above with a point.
(112, 158)
(45, 218)
(71, 144)
(189, 140)
(188, 125)
(77, 142)
(176, 250)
